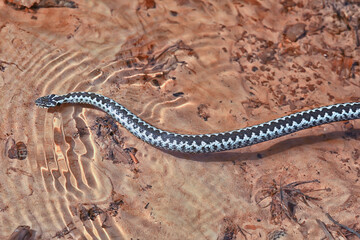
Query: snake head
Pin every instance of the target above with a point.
(47, 101)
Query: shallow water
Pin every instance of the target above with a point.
(187, 67)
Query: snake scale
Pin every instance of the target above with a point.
(206, 143)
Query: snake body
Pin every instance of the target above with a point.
(214, 142)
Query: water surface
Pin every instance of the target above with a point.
(183, 66)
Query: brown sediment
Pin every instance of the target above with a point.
(190, 67)
(349, 231)
(284, 199)
(18, 150)
(132, 152)
(65, 231)
(23, 232)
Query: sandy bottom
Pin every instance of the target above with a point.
(185, 66)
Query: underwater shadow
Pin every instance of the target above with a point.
(282, 146)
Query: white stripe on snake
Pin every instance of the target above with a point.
(206, 143)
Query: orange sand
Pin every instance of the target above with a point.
(188, 67)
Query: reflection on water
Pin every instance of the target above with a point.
(184, 66)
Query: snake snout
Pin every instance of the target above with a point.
(46, 101)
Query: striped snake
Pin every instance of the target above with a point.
(206, 143)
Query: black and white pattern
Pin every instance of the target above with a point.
(205, 143)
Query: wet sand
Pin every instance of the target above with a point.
(189, 67)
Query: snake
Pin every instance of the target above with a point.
(212, 142)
